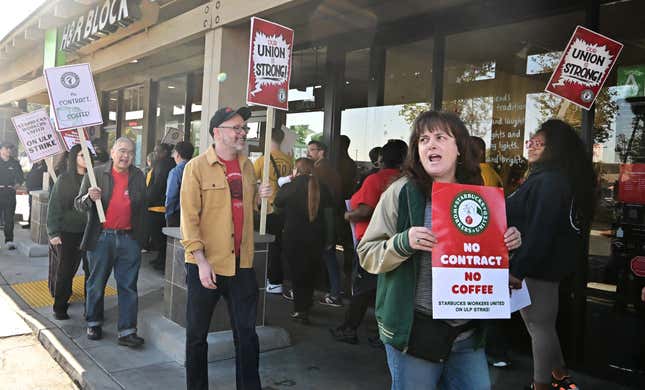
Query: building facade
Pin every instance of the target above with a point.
(365, 69)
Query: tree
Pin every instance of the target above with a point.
(606, 109)
(477, 113)
(302, 132)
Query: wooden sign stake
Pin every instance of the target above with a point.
(90, 171)
(267, 164)
(49, 162)
(563, 109)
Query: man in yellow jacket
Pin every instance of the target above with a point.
(218, 195)
(281, 165)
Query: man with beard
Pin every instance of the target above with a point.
(218, 196)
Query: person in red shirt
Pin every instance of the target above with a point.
(116, 243)
(362, 204)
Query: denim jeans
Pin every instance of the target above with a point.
(241, 294)
(466, 368)
(121, 252)
(331, 263)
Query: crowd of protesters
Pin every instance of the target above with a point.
(381, 218)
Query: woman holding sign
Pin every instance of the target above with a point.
(423, 352)
(65, 226)
(553, 208)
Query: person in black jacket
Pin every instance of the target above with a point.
(65, 227)
(34, 182)
(308, 208)
(553, 210)
(156, 196)
(10, 176)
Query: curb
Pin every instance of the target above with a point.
(81, 368)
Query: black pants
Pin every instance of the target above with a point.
(304, 262)
(156, 222)
(173, 220)
(241, 295)
(275, 273)
(344, 238)
(64, 260)
(357, 308)
(8, 209)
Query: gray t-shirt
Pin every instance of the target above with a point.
(423, 294)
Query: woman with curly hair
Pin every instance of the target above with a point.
(553, 209)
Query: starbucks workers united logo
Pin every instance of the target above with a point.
(469, 213)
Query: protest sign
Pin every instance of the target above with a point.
(172, 136)
(70, 138)
(270, 50)
(470, 260)
(37, 135)
(584, 67)
(73, 96)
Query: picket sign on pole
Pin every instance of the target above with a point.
(270, 47)
(267, 164)
(90, 172)
(50, 171)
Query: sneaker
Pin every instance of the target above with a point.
(94, 333)
(131, 340)
(274, 288)
(300, 316)
(330, 300)
(10, 245)
(500, 363)
(563, 384)
(344, 334)
(288, 294)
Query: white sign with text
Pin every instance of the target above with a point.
(73, 96)
(37, 135)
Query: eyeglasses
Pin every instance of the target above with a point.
(534, 143)
(125, 152)
(237, 129)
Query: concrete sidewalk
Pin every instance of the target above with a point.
(314, 361)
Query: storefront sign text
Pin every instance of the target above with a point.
(470, 260)
(105, 18)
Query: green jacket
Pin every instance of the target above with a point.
(61, 215)
(385, 250)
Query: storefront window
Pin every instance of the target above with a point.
(305, 116)
(408, 73)
(196, 111)
(495, 78)
(407, 88)
(132, 122)
(171, 106)
(108, 135)
(618, 147)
